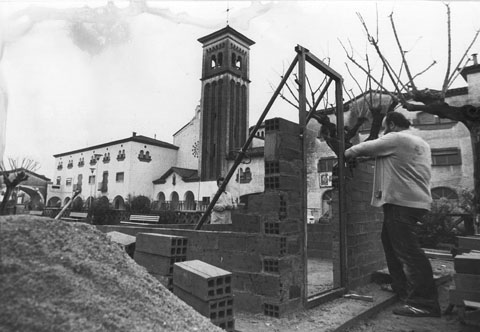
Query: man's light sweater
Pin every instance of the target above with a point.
(402, 169)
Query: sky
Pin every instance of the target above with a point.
(78, 73)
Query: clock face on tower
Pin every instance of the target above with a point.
(195, 151)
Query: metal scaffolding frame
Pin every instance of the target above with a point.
(302, 58)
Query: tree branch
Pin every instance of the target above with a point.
(402, 53)
(449, 52)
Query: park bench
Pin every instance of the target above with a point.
(75, 216)
(144, 218)
(36, 213)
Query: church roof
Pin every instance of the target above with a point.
(187, 175)
(227, 30)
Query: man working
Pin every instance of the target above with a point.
(221, 213)
(402, 187)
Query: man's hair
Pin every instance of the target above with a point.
(220, 179)
(397, 119)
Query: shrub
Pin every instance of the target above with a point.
(77, 204)
(140, 204)
(439, 226)
(100, 210)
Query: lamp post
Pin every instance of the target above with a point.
(92, 186)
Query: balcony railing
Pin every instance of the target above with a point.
(121, 157)
(93, 161)
(70, 165)
(60, 166)
(145, 158)
(81, 163)
(106, 160)
(180, 206)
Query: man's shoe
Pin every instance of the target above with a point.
(411, 311)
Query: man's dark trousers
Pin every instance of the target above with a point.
(410, 269)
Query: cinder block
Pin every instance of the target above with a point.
(283, 183)
(280, 124)
(240, 261)
(231, 242)
(219, 311)
(247, 301)
(221, 308)
(202, 280)
(246, 223)
(258, 283)
(272, 225)
(468, 263)
(156, 264)
(279, 309)
(284, 167)
(269, 245)
(161, 244)
(282, 146)
(466, 282)
(456, 297)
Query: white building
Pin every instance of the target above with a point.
(116, 169)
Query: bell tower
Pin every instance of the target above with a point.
(224, 101)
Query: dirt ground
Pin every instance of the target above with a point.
(58, 276)
(335, 315)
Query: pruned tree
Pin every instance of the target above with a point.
(427, 100)
(13, 176)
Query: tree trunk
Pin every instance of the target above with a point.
(6, 197)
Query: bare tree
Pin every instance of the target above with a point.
(12, 177)
(427, 100)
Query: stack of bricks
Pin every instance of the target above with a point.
(276, 214)
(207, 289)
(158, 253)
(465, 295)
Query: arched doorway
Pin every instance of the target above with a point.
(189, 201)
(119, 203)
(326, 204)
(161, 201)
(174, 198)
(54, 202)
(77, 204)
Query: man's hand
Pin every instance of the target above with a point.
(218, 208)
(349, 154)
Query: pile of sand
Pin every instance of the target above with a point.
(58, 276)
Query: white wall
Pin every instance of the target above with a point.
(185, 140)
(138, 176)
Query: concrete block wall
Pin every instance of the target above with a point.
(264, 247)
(363, 224)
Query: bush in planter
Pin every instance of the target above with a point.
(101, 206)
(438, 226)
(77, 205)
(140, 204)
